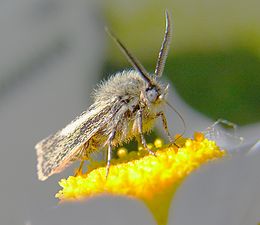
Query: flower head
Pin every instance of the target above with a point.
(150, 179)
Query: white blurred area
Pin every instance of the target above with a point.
(242, 137)
(51, 56)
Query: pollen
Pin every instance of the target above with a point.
(150, 179)
(122, 152)
(158, 143)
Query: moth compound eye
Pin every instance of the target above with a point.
(152, 94)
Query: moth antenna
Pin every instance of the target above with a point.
(165, 47)
(132, 60)
(183, 121)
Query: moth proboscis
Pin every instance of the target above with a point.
(125, 107)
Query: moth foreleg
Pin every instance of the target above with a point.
(83, 156)
(165, 125)
(109, 150)
(79, 170)
(140, 130)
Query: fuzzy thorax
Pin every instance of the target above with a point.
(126, 85)
(126, 92)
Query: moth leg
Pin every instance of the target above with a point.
(83, 156)
(109, 150)
(139, 142)
(165, 125)
(140, 130)
(79, 170)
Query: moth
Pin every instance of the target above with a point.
(124, 107)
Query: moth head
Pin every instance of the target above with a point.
(155, 93)
(152, 93)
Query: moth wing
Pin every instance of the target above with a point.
(57, 151)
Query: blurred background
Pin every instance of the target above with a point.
(53, 52)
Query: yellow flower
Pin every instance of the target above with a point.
(150, 179)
